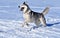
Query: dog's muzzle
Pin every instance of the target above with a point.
(21, 8)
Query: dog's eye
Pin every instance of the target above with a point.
(22, 8)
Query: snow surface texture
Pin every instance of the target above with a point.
(11, 19)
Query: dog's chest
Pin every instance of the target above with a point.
(27, 17)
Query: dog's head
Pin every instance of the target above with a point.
(23, 7)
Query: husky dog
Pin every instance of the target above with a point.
(31, 16)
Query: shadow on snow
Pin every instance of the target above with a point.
(46, 24)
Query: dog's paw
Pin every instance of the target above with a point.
(44, 25)
(27, 25)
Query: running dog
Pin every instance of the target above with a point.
(31, 16)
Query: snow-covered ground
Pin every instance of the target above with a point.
(11, 19)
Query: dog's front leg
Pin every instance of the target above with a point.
(25, 23)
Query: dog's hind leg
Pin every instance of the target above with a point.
(43, 21)
(37, 22)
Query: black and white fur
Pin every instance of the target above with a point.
(31, 16)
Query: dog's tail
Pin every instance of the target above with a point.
(45, 11)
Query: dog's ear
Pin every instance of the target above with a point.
(24, 3)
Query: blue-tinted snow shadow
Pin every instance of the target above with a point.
(1, 31)
(53, 24)
(49, 25)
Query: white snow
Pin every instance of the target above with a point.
(13, 29)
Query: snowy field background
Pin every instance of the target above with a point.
(11, 19)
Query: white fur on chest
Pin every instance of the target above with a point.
(27, 17)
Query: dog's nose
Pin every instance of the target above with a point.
(18, 6)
